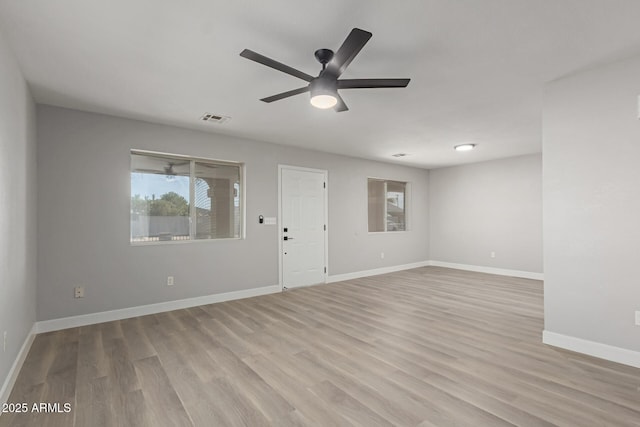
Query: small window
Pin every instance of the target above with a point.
(177, 198)
(387, 205)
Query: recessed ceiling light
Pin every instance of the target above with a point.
(464, 147)
(399, 155)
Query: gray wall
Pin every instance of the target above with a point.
(591, 146)
(486, 207)
(17, 209)
(83, 220)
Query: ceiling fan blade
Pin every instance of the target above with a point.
(340, 106)
(371, 83)
(354, 42)
(285, 94)
(261, 59)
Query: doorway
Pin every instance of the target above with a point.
(303, 226)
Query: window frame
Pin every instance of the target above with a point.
(193, 212)
(407, 204)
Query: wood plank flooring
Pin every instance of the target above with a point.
(423, 347)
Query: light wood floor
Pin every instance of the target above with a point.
(424, 347)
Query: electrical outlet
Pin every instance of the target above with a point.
(78, 292)
(381, 255)
(4, 341)
(637, 318)
(170, 281)
(493, 254)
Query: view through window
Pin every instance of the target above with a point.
(387, 205)
(177, 198)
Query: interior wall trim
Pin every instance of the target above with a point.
(12, 376)
(143, 310)
(592, 348)
(490, 270)
(374, 272)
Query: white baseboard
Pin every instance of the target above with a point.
(477, 268)
(592, 348)
(5, 391)
(366, 273)
(142, 310)
(490, 270)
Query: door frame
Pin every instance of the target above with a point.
(325, 213)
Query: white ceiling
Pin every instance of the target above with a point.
(477, 66)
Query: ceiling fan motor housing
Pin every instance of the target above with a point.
(323, 85)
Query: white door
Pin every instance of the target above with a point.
(302, 226)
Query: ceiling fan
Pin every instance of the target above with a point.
(324, 87)
(168, 170)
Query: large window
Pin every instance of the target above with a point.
(182, 198)
(387, 205)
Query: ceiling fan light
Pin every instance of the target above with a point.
(324, 92)
(323, 101)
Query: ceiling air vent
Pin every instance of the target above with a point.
(213, 118)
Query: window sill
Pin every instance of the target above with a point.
(183, 242)
(388, 232)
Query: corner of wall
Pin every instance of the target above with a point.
(18, 249)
